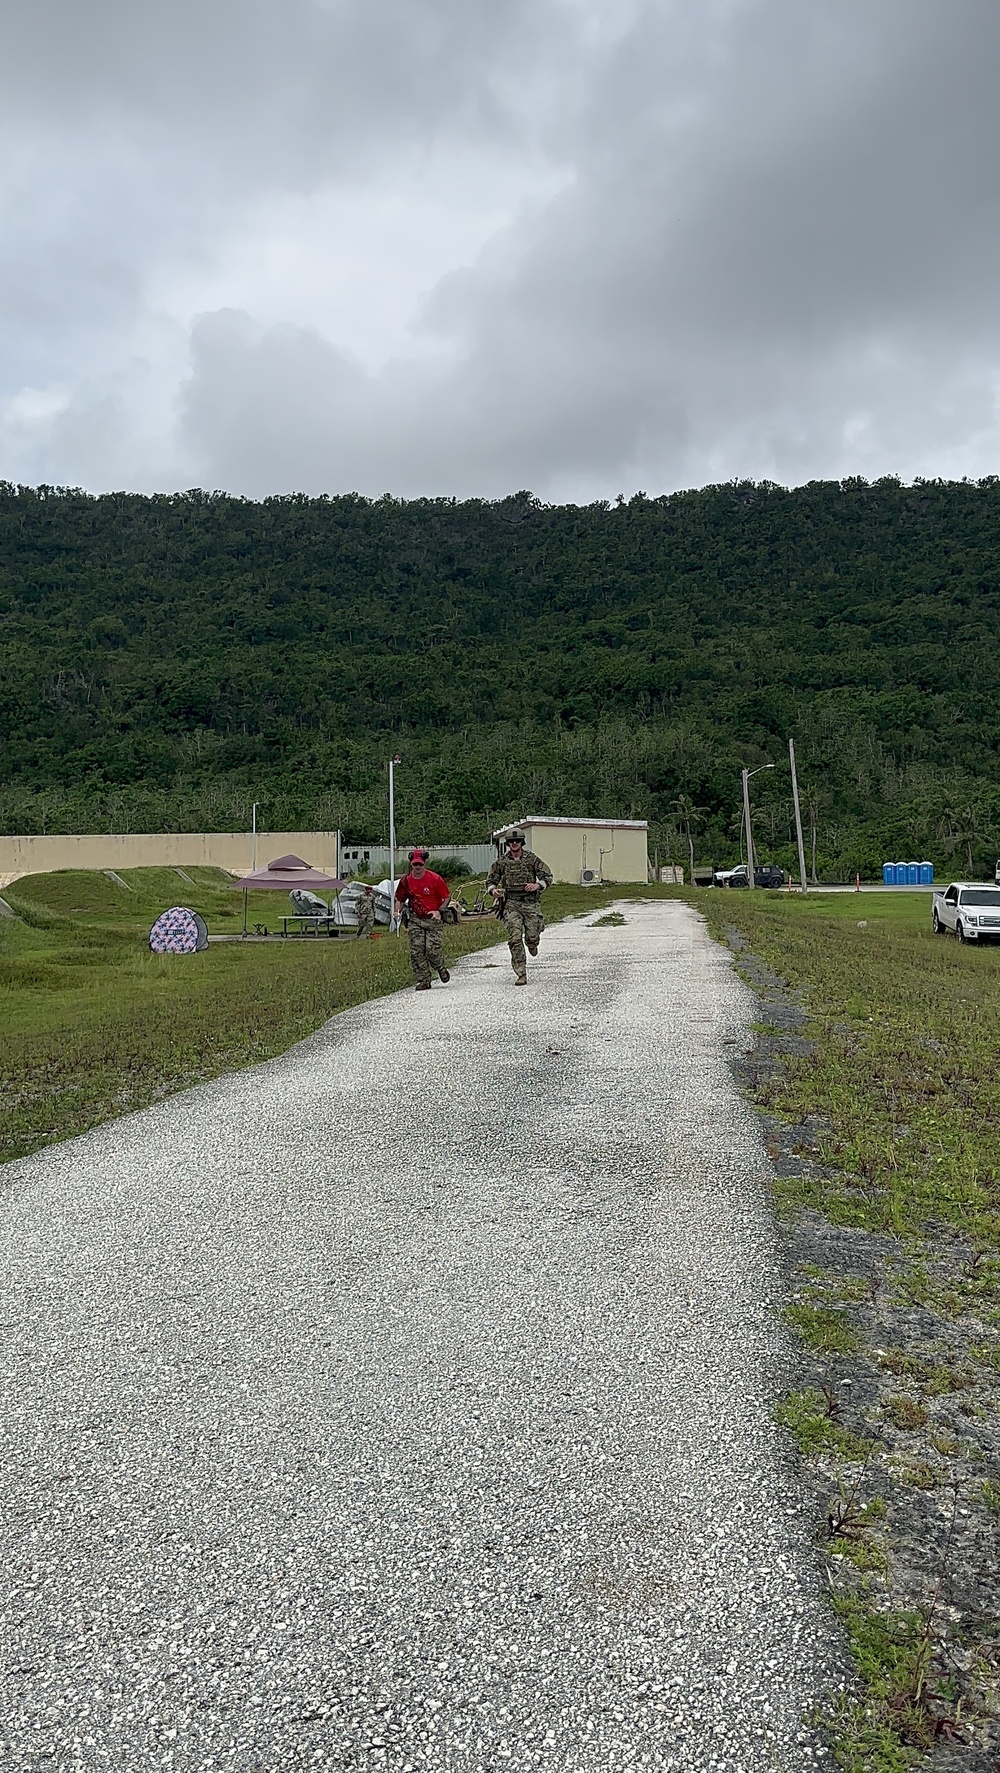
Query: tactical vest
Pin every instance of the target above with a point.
(515, 874)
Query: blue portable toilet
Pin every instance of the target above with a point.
(927, 874)
(913, 873)
(888, 873)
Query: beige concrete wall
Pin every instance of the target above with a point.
(613, 852)
(198, 849)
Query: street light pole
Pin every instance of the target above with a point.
(751, 861)
(392, 841)
(751, 883)
(798, 817)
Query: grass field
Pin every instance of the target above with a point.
(94, 1024)
(905, 1066)
(890, 1185)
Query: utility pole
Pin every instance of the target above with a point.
(253, 847)
(798, 817)
(392, 841)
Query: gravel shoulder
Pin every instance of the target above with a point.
(405, 1402)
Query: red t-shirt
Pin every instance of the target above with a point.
(427, 894)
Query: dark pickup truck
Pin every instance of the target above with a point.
(767, 874)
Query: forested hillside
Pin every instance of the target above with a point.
(168, 660)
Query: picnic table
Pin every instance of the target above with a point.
(315, 924)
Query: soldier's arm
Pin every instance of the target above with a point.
(494, 879)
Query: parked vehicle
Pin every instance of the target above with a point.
(970, 909)
(766, 874)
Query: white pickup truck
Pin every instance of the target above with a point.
(969, 908)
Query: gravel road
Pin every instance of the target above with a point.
(403, 1403)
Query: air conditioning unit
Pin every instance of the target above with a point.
(589, 877)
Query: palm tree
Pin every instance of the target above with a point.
(690, 816)
(958, 826)
(814, 799)
(736, 828)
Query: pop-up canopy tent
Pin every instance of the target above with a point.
(284, 875)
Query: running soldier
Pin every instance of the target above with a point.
(421, 895)
(364, 911)
(517, 881)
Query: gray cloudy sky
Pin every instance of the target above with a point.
(437, 246)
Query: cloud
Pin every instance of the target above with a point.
(573, 245)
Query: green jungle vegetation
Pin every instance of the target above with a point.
(95, 1025)
(167, 660)
(892, 1118)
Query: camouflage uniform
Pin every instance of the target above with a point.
(426, 949)
(364, 910)
(522, 913)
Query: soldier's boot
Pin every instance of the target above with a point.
(422, 985)
(532, 947)
(443, 975)
(522, 979)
